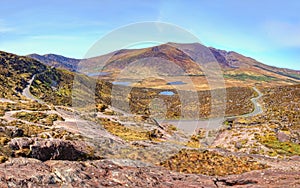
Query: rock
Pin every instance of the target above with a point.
(238, 145)
(282, 137)
(13, 131)
(155, 133)
(2, 129)
(20, 143)
(57, 149)
(24, 172)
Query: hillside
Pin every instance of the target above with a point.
(179, 61)
(57, 61)
(15, 72)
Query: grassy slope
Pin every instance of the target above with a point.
(15, 72)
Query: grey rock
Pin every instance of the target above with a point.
(20, 143)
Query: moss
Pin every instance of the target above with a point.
(126, 133)
(22, 152)
(171, 129)
(194, 142)
(28, 129)
(270, 140)
(38, 117)
(244, 77)
(210, 163)
(30, 105)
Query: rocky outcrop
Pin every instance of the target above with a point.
(24, 172)
(56, 149)
(20, 143)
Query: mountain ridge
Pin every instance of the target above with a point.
(229, 59)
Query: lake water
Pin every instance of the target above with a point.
(169, 93)
(121, 83)
(99, 74)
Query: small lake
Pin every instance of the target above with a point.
(121, 83)
(176, 83)
(99, 74)
(168, 93)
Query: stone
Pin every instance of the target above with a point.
(56, 149)
(20, 143)
(14, 131)
(282, 137)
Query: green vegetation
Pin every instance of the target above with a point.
(279, 148)
(38, 117)
(15, 72)
(291, 75)
(129, 134)
(210, 163)
(54, 86)
(243, 77)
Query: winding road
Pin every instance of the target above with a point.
(257, 107)
(189, 126)
(26, 92)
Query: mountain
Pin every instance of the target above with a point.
(233, 62)
(176, 60)
(234, 65)
(57, 61)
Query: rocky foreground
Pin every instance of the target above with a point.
(26, 172)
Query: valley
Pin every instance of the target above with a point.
(130, 132)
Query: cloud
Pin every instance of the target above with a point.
(284, 33)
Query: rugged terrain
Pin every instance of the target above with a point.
(47, 142)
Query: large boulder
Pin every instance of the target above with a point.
(56, 149)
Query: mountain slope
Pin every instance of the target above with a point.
(51, 84)
(177, 60)
(57, 61)
(15, 72)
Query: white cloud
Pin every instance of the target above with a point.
(284, 33)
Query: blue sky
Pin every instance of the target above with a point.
(268, 31)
